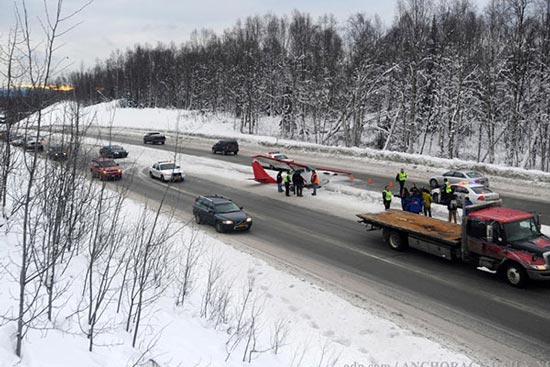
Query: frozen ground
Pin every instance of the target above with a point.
(321, 326)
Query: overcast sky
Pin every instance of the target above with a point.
(107, 25)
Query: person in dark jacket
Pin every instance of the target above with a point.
(401, 178)
(452, 206)
(298, 181)
(415, 192)
(280, 181)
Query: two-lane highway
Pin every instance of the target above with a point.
(378, 180)
(481, 313)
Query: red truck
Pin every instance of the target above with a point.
(501, 240)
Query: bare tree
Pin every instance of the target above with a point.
(193, 250)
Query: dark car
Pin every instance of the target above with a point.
(113, 151)
(105, 169)
(154, 138)
(17, 140)
(33, 145)
(226, 147)
(222, 213)
(57, 153)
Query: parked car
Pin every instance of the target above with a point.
(453, 177)
(105, 169)
(275, 165)
(226, 147)
(477, 193)
(166, 171)
(278, 155)
(33, 145)
(222, 213)
(113, 151)
(57, 153)
(17, 140)
(154, 138)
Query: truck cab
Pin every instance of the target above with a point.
(508, 241)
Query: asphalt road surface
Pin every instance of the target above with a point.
(475, 308)
(541, 207)
(455, 291)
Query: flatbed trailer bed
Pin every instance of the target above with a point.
(427, 234)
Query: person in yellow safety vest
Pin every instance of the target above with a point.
(386, 197)
(401, 177)
(447, 191)
(314, 181)
(287, 179)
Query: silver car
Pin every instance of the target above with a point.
(476, 193)
(454, 177)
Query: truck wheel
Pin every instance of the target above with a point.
(433, 183)
(516, 275)
(396, 240)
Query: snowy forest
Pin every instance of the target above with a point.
(445, 79)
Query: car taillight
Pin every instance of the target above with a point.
(481, 198)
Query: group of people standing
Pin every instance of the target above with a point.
(414, 200)
(293, 181)
(417, 200)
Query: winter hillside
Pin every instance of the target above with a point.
(134, 282)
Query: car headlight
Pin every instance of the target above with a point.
(539, 267)
(227, 222)
(249, 219)
(119, 170)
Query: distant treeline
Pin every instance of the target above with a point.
(445, 79)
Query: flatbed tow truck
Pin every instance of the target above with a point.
(501, 240)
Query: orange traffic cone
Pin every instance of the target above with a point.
(390, 184)
(369, 180)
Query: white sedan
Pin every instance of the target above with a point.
(275, 165)
(166, 171)
(455, 177)
(476, 193)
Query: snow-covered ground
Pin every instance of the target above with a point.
(323, 329)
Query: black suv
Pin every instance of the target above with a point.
(57, 153)
(154, 138)
(226, 146)
(222, 213)
(113, 151)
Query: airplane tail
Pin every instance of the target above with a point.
(260, 175)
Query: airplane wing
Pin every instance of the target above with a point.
(260, 162)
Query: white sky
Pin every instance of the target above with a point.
(107, 25)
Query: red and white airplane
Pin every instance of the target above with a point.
(260, 174)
